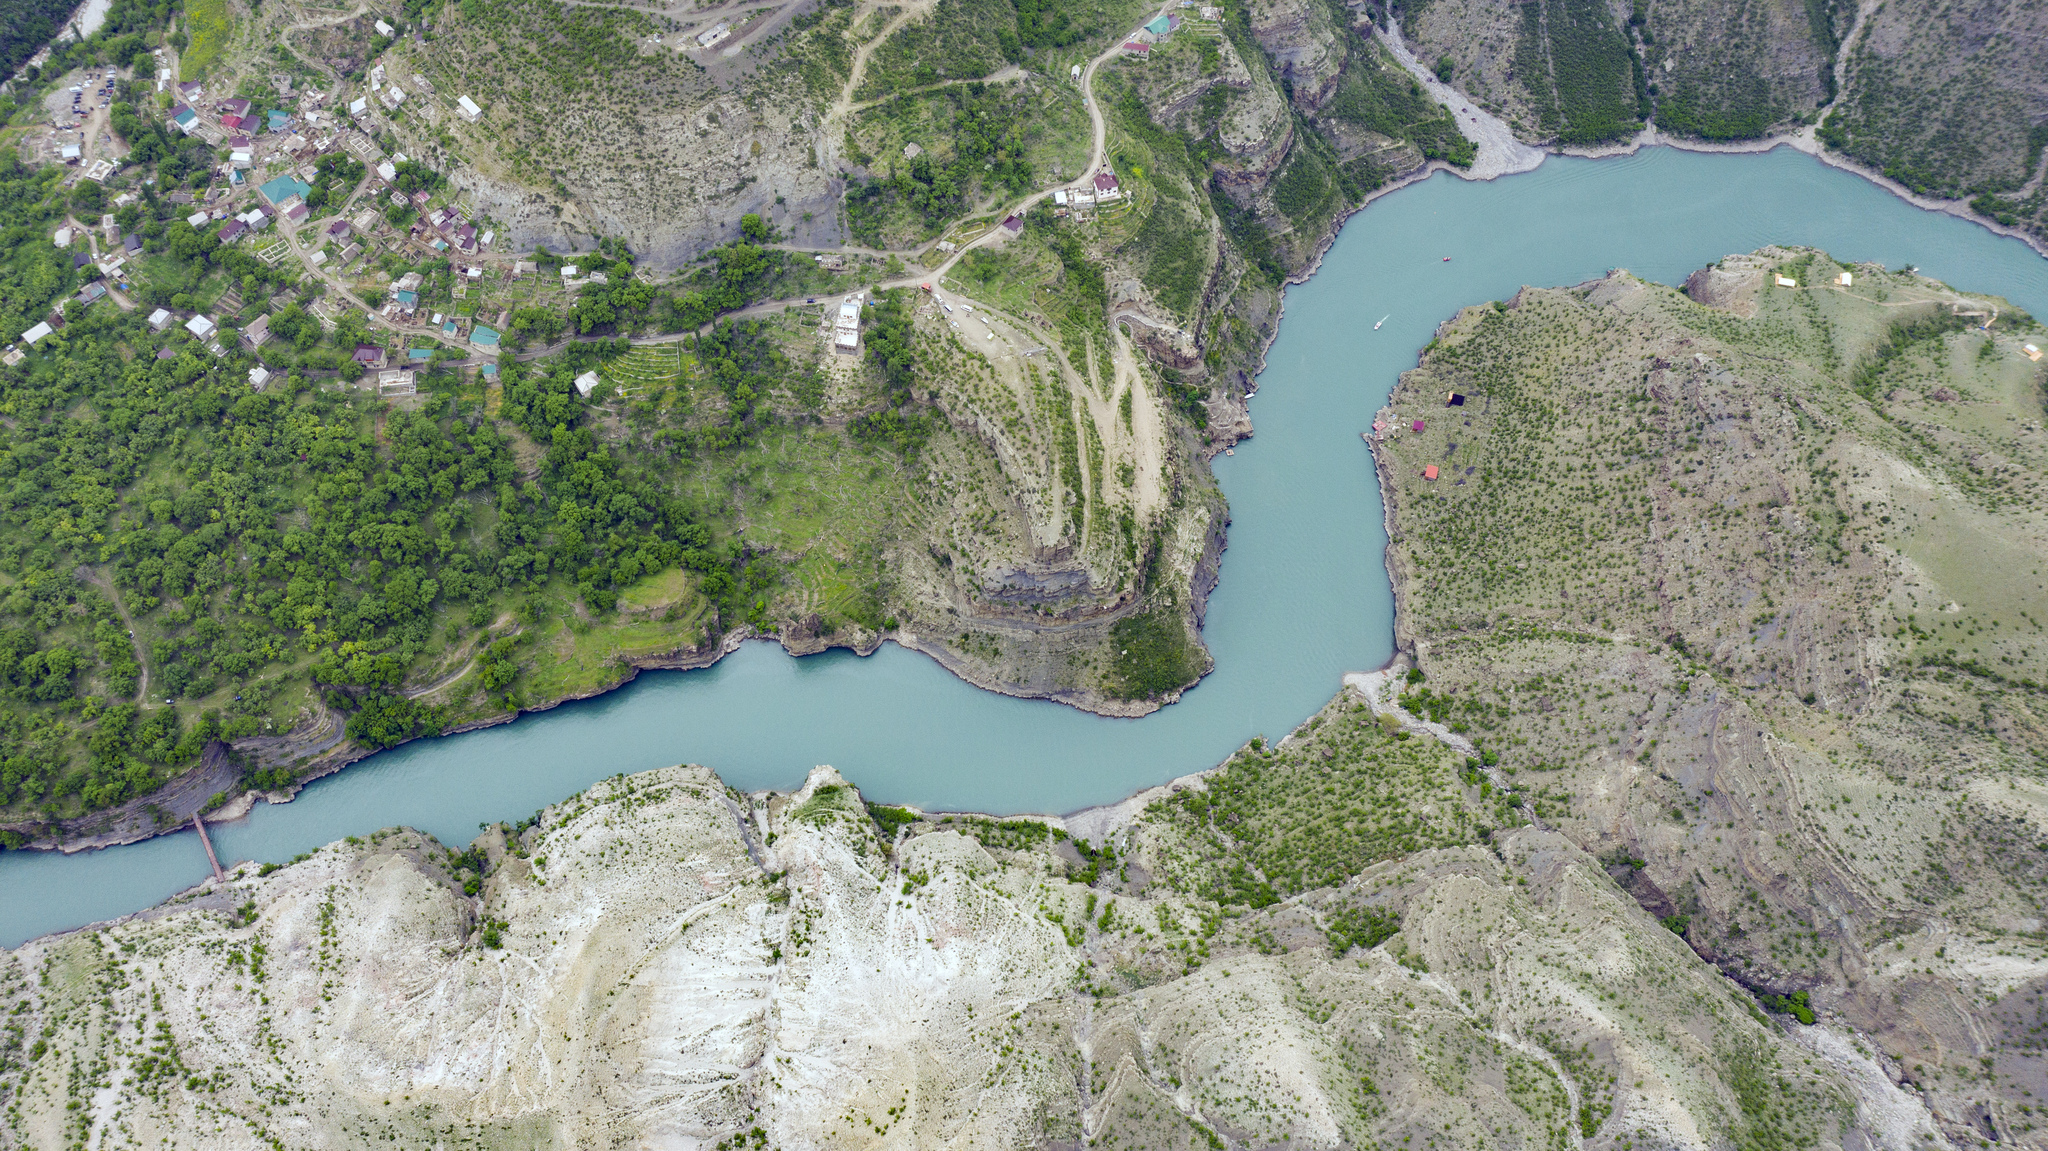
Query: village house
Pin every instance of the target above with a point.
(846, 330)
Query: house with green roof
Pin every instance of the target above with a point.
(283, 188)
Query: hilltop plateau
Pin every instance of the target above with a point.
(1739, 589)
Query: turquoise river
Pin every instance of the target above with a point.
(1304, 594)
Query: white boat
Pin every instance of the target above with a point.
(1383, 319)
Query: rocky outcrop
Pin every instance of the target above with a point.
(1303, 47)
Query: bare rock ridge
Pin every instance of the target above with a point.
(660, 962)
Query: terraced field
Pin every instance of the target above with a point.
(648, 368)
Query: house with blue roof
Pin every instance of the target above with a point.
(484, 337)
(279, 121)
(410, 301)
(185, 118)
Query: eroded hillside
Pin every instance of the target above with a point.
(663, 962)
(1739, 588)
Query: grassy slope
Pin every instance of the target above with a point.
(208, 24)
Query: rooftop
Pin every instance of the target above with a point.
(284, 188)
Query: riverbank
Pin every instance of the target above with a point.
(1807, 141)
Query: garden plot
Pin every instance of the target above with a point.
(646, 369)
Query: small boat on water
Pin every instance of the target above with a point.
(1383, 319)
(1447, 259)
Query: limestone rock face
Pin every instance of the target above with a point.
(1301, 40)
(661, 962)
(1256, 132)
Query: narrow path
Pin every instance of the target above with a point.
(444, 681)
(1097, 150)
(837, 112)
(1001, 75)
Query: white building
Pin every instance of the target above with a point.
(470, 111)
(384, 29)
(713, 34)
(159, 320)
(200, 326)
(259, 376)
(36, 333)
(846, 331)
(1845, 279)
(586, 383)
